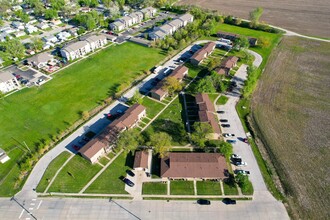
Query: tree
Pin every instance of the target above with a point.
(129, 140)
(171, 85)
(160, 141)
(107, 3)
(51, 14)
(90, 23)
(243, 182)
(264, 42)
(205, 85)
(242, 42)
(226, 149)
(255, 16)
(14, 48)
(85, 115)
(57, 4)
(36, 43)
(137, 98)
(201, 130)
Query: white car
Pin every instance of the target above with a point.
(228, 135)
(235, 156)
(240, 164)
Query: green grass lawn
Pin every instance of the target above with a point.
(213, 97)
(179, 187)
(171, 122)
(110, 180)
(40, 113)
(230, 188)
(51, 170)
(153, 107)
(74, 176)
(103, 161)
(154, 188)
(222, 100)
(208, 188)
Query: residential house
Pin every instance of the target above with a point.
(8, 81)
(167, 29)
(42, 26)
(75, 50)
(18, 25)
(186, 18)
(226, 65)
(157, 35)
(96, 41)
(191, 165)
(9, 31)
(141, 159)
(3, 156)
(73, 31)
(41, 60)
(175, 24)
(17, 8)
(158, 92)
(117, 26)
(30, 29)
(56, 22)
(148, 12)
(111, 38)
(252, 40)
(202, 53)
(50, 39)
(206, 113)
(137, 17)
(19, 34)
(127, 21)
(99, 145)
(63, 36)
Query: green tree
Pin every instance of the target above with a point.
(264, 42)
(129, 140)
(137, 98)
(226, 149)
(107, 3)
(90, 23)
(244, 182)
(57, 4)
(14, 48)
(85, 115)
(242, 41)
(201, 130)
(36, 44)
(51, 14)
(205, 85)
(255, 16)
(160, 141)
(171, 85)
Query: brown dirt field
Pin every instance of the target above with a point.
(292, 110)
(308, 17)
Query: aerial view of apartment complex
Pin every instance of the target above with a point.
(164, 109)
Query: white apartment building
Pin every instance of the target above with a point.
(8, 82)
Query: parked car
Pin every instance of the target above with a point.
(76, 147)
(240, 164)
(225, 125)
(229, 201)
(203, 202)
(221, 112)
(128, 182)
(236, 160)
(231, 141)
(228, 135)
(130, 172)
(245, 140)
(223, 120)
(235, 156)
(244, 172)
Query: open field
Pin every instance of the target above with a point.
(110, 180)
(294, 90)
(37, 114)
(302, 16)
(51, 170)
(74, 175)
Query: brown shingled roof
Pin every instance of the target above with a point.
(92, 147)
(230, 62)
(179, 72)
(206, 110)
(194, 165)
(141, 159)
(209, 47)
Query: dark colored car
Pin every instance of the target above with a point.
(231, 141)
(128, 182)
(225, 125)
(229, 201)
(220, 112)
(223, 120)
(130, 172)
(236, 160)
(75, 147)
(245, 140)
(204, 202)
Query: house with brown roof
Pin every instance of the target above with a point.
(202, 53)
(141, 160)
(206, 113)
(230, 36)
(226, 65)
(193, 166)
(99, 145)
(158, 92)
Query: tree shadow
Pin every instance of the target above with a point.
(113, 89)
(129, 160)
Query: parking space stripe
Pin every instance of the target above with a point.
(21, 214)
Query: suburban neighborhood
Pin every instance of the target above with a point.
(132, 110)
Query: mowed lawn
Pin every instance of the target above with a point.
(110, 180)
(51, 170)
(153, 107)
(208, 188)
(74, 175)
(34, 114)
(179, 187)
(154, 188)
